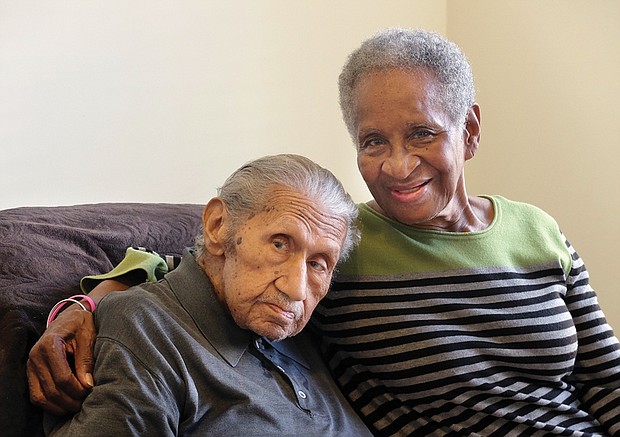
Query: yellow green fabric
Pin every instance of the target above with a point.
(153, 266)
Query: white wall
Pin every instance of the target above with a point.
(160, 100)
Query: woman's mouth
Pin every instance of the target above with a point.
(410, 192)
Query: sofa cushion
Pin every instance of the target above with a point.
(44, 251)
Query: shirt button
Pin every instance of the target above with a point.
(302, 394)
(257, 344)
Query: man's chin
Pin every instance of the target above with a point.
(275, 332)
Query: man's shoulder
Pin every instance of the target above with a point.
(137, 301)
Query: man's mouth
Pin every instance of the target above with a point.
(283, 312)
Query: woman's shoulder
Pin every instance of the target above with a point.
(520, 210)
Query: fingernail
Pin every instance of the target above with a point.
(89, 380)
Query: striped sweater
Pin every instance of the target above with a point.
(490, 333)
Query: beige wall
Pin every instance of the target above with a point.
(547, 75)
(112, 101)
(160, 100)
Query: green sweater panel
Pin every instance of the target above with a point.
(520, 235)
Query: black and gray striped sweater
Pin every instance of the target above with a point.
(491, 333)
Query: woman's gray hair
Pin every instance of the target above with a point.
(410, 49)
(248, 189)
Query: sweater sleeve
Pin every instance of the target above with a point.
(597, 366)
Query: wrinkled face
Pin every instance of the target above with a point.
(410, 154)
(281, 264)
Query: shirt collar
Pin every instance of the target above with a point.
(194, 290)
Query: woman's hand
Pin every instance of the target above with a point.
(60, 364)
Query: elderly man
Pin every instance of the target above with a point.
(206, 351)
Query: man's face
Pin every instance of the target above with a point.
(280, 264)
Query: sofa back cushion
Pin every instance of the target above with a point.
(44, 251)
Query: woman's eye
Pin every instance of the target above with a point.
(422, 134)
(372, 142)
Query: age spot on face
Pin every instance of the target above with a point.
(239, 241)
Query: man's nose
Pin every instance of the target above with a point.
(293, 280)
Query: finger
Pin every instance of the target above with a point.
(37, 396)
(48, 399)
(58, 384)
(84, 351)
(63, 378)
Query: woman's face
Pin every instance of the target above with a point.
(410, 153)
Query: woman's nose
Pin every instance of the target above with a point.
(400, 163)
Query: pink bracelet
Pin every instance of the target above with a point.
(73, 299)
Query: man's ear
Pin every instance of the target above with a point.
(472, 131)
(215, 223)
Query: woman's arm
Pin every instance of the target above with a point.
(60, 364)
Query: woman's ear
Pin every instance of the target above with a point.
(472, 131)
(215, 224)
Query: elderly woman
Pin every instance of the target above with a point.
(457, 315)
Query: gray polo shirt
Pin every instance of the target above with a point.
(169, 360)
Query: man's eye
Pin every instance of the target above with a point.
(318, 266)
(279, 244)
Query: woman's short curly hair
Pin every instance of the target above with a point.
(410, 49)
